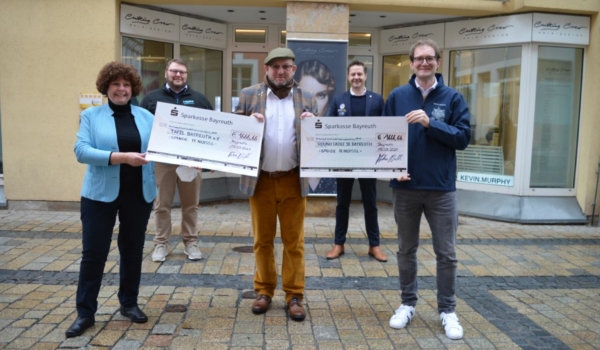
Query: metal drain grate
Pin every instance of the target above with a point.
(249, 294)
(244, 249)
(176, 308)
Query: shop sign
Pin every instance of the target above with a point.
(149, 23)
(489, 31)
(486, 179)
(204, 33)
(89, 99)
(399, 40)
(548, 28)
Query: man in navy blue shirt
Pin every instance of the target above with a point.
(438, 125)
(357, 102)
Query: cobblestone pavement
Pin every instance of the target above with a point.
(530, 287)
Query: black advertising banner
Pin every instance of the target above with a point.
(322, 71)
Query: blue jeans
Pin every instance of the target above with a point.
(98, 219)
(441, 212)
(368, 193)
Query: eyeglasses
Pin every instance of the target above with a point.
(277, 67)
(428, 59)
(177, 71)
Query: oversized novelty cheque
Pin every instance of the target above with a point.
(206, 139)
(354, 147)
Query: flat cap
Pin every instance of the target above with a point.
(280, 52)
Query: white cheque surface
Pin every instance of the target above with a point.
(364, 147)
(206, 139)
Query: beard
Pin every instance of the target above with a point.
(279, 85)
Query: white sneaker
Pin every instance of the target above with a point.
(193, 252)
(160, 253)
(451, 325)
(402, 316)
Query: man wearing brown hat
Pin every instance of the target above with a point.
(278, 192)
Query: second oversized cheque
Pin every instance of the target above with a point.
(363, 147)
(206, 139)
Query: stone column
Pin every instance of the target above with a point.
(317, 21)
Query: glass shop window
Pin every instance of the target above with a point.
(250, 35)
(489, 79)
(148, 57)
(359, 39)
(556, 123)
(205, 72)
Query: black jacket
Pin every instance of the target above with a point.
(341, 105)
(188, 98)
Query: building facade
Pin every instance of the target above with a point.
(525, 68)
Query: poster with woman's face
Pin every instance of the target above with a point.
(321, 69)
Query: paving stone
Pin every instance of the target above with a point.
(77, 342)
(185, 343)
(247, 340)
(22, 343)
(519, 286)
(190, 332)
(8, 334)
(127, 345)
(161, 341)
(107, 337)
(324, 332)
(37, 331)
(164, 329)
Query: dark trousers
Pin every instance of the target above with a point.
(98, 219)
(441, 211)
(368, 193)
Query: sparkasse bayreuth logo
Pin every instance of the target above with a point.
(174, 112)
(318, 124)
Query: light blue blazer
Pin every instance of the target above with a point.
(96, 139)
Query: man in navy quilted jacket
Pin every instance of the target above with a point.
(438, 125)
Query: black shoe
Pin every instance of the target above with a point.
(134, 314)
(79, 326)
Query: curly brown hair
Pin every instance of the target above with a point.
(115, 70)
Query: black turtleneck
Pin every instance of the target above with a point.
(128, 139)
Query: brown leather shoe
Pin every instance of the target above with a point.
(377, 254)
(261, 304)
(296, 310)
(335, 252)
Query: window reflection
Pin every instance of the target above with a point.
(246, 35)
(396, 72)
(489, 79)
(205, 71)
(359, 39)
(557, 101)
(247, 69)
(148, 57)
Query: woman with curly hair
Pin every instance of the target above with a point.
(119, 181)
(315, 76)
